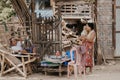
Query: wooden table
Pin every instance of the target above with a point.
(49, 66)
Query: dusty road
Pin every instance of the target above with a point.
(103, 72)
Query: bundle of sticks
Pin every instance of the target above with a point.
(69, 37)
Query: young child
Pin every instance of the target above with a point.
(84, 32)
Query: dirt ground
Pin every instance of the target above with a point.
(110, 71)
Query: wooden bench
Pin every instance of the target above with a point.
(50, 66)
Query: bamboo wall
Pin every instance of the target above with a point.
(74, 9)
(104, 27)
(11, 29)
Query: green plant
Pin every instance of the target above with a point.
(6, 10)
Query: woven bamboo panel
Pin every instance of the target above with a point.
(104, 27)
(75, 9)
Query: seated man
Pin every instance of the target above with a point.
(16, 46)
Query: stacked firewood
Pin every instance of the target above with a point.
(68, 36)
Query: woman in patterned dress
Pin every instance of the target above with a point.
(90, 39)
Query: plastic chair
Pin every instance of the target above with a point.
(76, 64)
(69, 56)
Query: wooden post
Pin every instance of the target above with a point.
(2, 64)
(24, 68)
(33, 19)
(60, 70)
(52, 3)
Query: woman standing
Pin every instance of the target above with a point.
(90, 39)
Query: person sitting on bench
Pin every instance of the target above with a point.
(16, 46)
